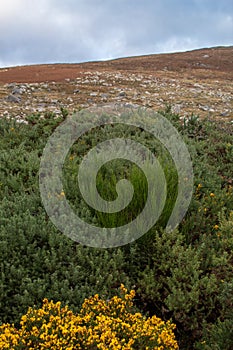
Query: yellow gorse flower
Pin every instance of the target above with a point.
(100, 324)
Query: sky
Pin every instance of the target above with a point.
(60, 31)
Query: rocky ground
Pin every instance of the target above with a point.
(199, 82)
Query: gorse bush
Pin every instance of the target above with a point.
(185, 275)
(100, 324)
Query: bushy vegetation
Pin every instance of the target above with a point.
(184, 276)
(100, 324)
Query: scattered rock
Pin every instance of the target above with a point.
(17, 91)
(176, 109)
(206, 109)
(122, 94)
(69, 99)
(104, 97)
(11, 86)
(20, 119)
(13, 98)
(131, 105)
(138, 89)
(40, 109)
(225, 114)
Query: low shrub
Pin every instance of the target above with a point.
(100, 324)
(185, 276)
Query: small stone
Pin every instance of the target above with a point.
(93, 94)
(131, 105)
(41, 105)
(104, 97)
(21, 120)
(11, 85)
(122, 94)
(12, 98)
(40, 109)
(17, 91)
(204, 108)
(198, 86)
(225, 114)
(176, 109)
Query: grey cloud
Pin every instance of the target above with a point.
(80, 30)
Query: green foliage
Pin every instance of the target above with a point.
(218, 337)
(185, 275)
(112, 172)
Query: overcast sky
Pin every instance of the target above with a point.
(46, 31)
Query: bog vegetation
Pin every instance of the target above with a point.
(183, 278)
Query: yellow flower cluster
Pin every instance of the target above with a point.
(104, 325)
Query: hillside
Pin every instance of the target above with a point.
(180, 171)
(199, 81)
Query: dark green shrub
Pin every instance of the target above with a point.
(185, 275)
